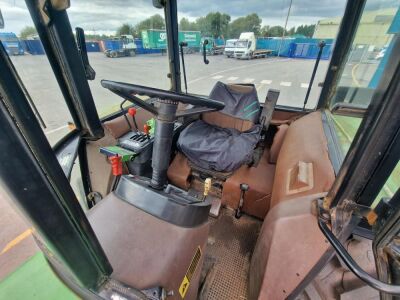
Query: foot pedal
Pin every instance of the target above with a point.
(215, 207)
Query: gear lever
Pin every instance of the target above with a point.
(243, 189)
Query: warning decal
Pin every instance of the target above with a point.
(189, 273)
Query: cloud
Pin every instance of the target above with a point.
(108, 15)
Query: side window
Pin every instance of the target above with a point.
(365, 64)
(368, 57)
(360, 75)
(21, 41)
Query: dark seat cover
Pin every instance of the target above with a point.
(221, 149)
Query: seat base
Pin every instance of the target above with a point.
(259, 178)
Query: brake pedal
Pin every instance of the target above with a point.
(215, 207)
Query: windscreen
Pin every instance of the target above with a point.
(241, 44)
(282, 55)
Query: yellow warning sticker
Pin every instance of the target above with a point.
(184, 287)
(189, 273)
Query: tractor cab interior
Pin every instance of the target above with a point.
(216, 178)
(189, 196)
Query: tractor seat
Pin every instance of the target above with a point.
(225, 140)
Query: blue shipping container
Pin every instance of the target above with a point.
(33, 47)
(92, 47)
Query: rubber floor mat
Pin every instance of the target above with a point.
(226, 265)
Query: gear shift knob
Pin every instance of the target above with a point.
(244, 187)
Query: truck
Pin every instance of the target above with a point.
(215, 46)
(11, 43)
(246, 47)
(121, 46)
(230, 47)
(157, 39)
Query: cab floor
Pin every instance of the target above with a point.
(227, 259)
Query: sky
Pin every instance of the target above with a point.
(105, 16)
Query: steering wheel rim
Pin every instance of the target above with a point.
(127, 90)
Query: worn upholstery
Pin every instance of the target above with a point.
(290, 242)
(304, 141)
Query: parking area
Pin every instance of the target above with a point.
(290, 76)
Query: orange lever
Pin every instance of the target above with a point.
(116, 165)
(146, 129)
(132, 111)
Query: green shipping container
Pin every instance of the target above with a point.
(157, 39)
(154, 39)
(191, 37)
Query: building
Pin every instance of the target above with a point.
(373, 28)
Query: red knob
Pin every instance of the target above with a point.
(146, 128)
(116, 165)
(132, 111)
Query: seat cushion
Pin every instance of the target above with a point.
(218, 149)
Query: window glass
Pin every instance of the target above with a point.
(126, 41)
(271, 44)
(390, 187)
(23, 46)
(365, 63)
(369, 53)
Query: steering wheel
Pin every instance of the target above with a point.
(165, 115)
(127, 91)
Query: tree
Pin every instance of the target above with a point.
(307, 30)
(185, 24)
(251, 23)
(214, 24)
(27, 31)
(154, 22)
(275, 31)
(124, 29)
(218, 24)
(291, 31)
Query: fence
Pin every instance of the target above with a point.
(295, 47)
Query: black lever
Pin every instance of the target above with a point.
(81, 43)
(181, 45)
(353, 266)
(206, 61)
(321, 46)
(243, 189)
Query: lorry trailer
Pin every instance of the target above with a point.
(246, 47)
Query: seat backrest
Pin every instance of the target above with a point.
(241, 110)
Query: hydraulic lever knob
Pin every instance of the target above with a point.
(146, 129)
(132, 112)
